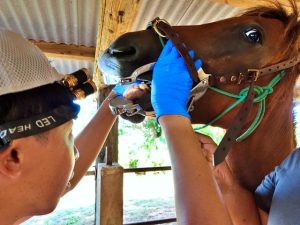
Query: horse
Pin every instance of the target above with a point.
(257, 38)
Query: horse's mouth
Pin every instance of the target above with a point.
(138, 94)
(115, 64)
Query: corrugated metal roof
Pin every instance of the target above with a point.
(60, 21)
(67, 66)
(182, 12)
(75, 21)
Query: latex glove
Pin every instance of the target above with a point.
(171, 83)
(119, 89)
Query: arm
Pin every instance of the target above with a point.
(90, 141)
(198, 200)
(242, 207)
(197, 196)
(238, 200)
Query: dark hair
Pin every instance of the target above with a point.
(25, 104)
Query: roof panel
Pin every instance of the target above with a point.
(184, 12)
(66, 66)
(75, 21)
(69, 22)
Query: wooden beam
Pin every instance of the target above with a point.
(65, 51)
(115, 18)
(250, 3)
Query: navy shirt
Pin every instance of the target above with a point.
(279, 192)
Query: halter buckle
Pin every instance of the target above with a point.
(157, 30)
(251, 73)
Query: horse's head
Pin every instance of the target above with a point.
(256, 39)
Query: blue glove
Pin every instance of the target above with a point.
(171, 83)
(119, 89)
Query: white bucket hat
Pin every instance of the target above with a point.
(23, 66)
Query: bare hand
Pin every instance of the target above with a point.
(222, 172)
(136, 91)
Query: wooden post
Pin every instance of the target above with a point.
(115, 18)
(109, 195)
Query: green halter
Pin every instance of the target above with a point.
(261, 94)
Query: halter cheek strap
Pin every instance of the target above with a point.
(163, 29)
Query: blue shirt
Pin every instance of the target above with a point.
(279, 192)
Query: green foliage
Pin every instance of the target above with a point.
(73, 220)
(142, 145)
(215, 133)
(133, 163)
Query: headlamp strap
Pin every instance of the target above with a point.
(36, 124)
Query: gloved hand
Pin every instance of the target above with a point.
(119, 89)
(171, 83)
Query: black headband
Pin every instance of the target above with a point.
(36, 124)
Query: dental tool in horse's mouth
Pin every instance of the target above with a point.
(120, 105)
(134, 76)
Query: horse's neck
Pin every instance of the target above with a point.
(271, 142)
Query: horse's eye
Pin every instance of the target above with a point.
(253, 35)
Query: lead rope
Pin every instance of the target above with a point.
(261, 94)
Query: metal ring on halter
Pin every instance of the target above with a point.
(134, 76)
(154, 25)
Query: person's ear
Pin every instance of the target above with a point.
(10, 162)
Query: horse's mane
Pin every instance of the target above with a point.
(276, 10)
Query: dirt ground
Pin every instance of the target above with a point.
(146, 197)
(134, 211)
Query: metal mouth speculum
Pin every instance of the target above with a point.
(120, 105)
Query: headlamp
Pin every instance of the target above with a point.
(36, 124)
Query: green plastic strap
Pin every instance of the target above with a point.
(161, 41)
(261, 94)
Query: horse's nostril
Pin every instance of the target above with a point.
(122, 52)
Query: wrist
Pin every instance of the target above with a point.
(169, 110)
(174, 121)
(183, 115)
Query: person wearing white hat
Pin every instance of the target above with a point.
(37, 149)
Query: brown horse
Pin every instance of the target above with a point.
(258, 38)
